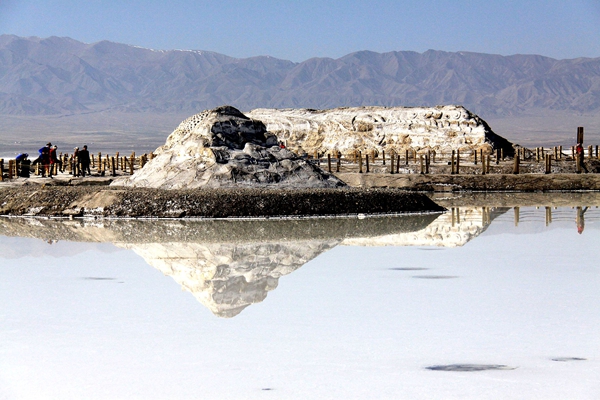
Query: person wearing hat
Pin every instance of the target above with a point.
(45, 160)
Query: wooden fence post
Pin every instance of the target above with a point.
(383, 157)
(338, 161)
(132, 160)
(360, 169)
(113, 171)
(328, 162)
(516, 163)
(392, 163)
(1, 170)
(475, 157)
(483, 166)
(452, 163)
(10, 168)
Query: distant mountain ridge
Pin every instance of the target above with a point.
(64, 76)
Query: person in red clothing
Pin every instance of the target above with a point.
(53, 160)
(580, 157)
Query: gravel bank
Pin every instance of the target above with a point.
(65, 201)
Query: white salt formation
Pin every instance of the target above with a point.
(441, 129)
(224, 148)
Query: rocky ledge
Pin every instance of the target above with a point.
(94, 201)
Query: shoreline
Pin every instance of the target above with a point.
(118, 202)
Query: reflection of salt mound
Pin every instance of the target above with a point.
(228, 277)
(224, 148)
(453, 229)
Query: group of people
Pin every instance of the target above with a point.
(51, 163)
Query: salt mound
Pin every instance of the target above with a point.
(224, 148)
(346, 129)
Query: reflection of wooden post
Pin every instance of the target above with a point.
(392, 163)
(457, 162)
(406, 156)
(452, 162)
(517, 216)
(548, 215)
(398, 163)
(338, 162)
(474, 157)
(367, 162)
(328, 162)
(427, 164)
(383, 156)
(548, 164)
(422, 165)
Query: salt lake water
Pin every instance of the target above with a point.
(475, 303)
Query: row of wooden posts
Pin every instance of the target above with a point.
(102, 164)
(477, 156)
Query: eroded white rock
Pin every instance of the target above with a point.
(441, 129)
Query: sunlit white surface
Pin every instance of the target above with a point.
(353, 323)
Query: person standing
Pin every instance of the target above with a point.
(45, 160)
(75, 162)
(84, 161)
(580, 157)
(53, 160)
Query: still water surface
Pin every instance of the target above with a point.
(475, 303)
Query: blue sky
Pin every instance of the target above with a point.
(298, 30)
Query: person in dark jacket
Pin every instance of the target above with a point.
(84, 161)
(45, 160)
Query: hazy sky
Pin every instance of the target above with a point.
(298, 30)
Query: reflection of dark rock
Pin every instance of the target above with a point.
(469, 367)
(141, 231)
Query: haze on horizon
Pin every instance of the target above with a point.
(299, 30)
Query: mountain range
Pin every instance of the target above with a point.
(62, 76)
